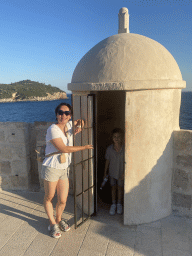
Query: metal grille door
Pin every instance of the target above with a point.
(84, 164)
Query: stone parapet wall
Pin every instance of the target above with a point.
(182, 173)
(14, 155)
(19, 169)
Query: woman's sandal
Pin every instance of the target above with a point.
(64, 226)
(54, 231)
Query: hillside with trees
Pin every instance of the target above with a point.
(28, 89)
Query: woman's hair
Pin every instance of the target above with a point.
(63, 104)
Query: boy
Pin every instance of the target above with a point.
(115, 162)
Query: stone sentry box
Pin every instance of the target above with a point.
(137, 84)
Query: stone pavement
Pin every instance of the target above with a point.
(23, 231)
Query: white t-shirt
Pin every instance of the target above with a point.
(54, 132)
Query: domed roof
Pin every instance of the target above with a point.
(127, 61)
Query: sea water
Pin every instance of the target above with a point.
(31, 111)
(185, 119)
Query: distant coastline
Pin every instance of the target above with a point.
(55, 96)
(28, 90)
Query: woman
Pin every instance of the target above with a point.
(59, 138)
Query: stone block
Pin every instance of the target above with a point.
(16, 132)
(19, 182)
(183, 160)
(180, 211)
(181, 200)
(182, 139)
(5, 182)
(20, 151)
(14, 151)
(16, 136)
(6, 152)
(41, 134)
(21, 167)
(181, 179)
(41, 181)
(5, 168)
(42, 125)
(2, 136)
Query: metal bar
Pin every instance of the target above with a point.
(85, 219)
(83, 222)
(74, 176)
(86, 128)
(85, 190)
(95, 153)
(82, 208)
(88, 158)
(83, 161)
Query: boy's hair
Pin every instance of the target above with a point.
(118, 130)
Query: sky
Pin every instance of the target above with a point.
(43, 40)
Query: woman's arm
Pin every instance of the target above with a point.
(58, 144)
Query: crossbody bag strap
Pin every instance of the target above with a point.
(62, 158)
(52, 154)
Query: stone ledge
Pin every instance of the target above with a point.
(182, 140)
(184, 160)
(131, 85)
(182, 200)
(180, 179)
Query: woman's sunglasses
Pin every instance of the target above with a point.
(67, 113)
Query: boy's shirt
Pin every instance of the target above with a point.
(116, 161)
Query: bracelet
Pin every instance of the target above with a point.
(78, 126)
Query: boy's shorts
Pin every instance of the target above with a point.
(53, 174)
(114, 182)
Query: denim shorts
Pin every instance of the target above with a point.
(53, 174)
(114, 182)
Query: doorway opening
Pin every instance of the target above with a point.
(110, 115)
(102, 112)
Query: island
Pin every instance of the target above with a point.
(28, 90)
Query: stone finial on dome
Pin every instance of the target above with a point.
(123, 20)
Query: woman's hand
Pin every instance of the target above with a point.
(89, 147)
(78, 129)
(79, 124)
